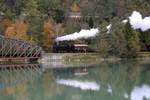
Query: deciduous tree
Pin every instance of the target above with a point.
(48, 35)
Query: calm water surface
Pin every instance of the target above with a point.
(128, 80)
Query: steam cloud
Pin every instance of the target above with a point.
(138, 22)
(109, 28)
(125, 21)
(82, 34)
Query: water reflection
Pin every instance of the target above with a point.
(80, 71)
(106, 81)
(83, 85)
(126, 96)
(13, 75)
(117, 80)
(109, 90)
(141, 93)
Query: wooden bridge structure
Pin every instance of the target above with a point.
(13, 49)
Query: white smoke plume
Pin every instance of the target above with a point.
(83, 85)
(124, 21)
(82, 34)
(109, 28)
(138, 22)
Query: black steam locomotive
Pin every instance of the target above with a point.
(70, 47)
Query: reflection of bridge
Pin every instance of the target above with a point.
(18, 49)
(12, 75)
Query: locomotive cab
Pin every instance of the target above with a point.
(63, 46)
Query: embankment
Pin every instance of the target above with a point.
(73, 59)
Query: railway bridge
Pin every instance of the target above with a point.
(14, 49)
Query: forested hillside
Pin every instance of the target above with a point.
(41, 21)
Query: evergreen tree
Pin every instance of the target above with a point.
(59, 15)
(104, 45)
(117, 38)
(90, 22)
(33, 19)
(132, 38)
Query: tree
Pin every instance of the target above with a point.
(117, 38)
(91, 22)
(21, 30)
(10, 31)
(5, 23)
(48, 35)
(133, 41)
(71, 26)
(18, 30)
(52, 8)
(121, 7)
(32, 16)
(122, 41)
(21, 26)
(104, 45)
(59, 16)
(136, 4)
(75, 7)
(31, 8)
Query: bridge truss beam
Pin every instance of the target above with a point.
(18, 49)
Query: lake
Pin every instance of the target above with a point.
(124, 80)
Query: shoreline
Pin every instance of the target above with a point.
(81, 58)
(60, 60)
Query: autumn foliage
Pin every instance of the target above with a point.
(10, 31)
(16, 30)
(48, 35)
(75, 7)
(5, 24)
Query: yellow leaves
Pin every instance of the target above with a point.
(49, 28)
(17, 30)
(75, 7)
(10, 31)
(48, 36)
(6, 23)
(21, 27)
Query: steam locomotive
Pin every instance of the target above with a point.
(70, 47)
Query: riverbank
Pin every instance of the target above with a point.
(64, 60)
(83, 59)
(94, 57)
(89, 58)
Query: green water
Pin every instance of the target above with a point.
(126, 80)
